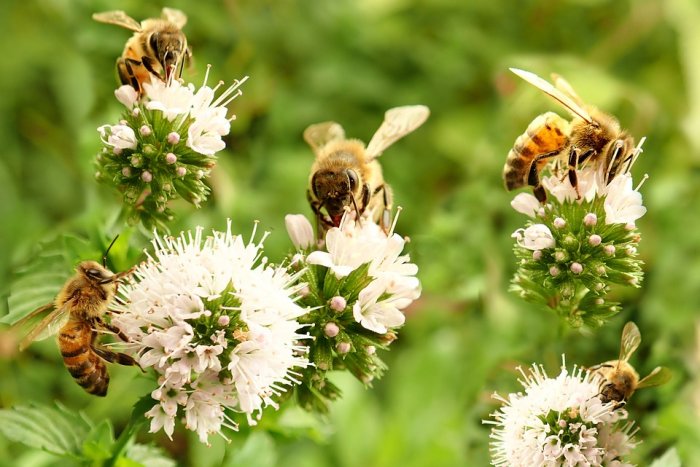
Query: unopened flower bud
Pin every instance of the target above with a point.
(599, 301)
(331, 330)
(343, 347)
(554, 271)
(570, 241)
(146, 176)
(537, 255)
(300, 231)
(199, 174)
(609, 250)
(145, 130)
(594, 240)
(630, 250)
(630, 226)
(136, 160)
(338, 303)
(541, 212)
(181, 171)
(126, 171)
(116, 151)
(305, 291)
(559, 223)
(136, 112)
(590, 219)
(223, 320)
(560, 256)
(576, 268)
(322, 366)
(599, 287)
(171, 158)
(173, 137)
(371, 350)
(149, 150)
(366, 379)
(600, 270)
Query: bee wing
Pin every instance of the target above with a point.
(658, 376)
(564, 86)
(631, 338)
(119, 18)
(47, 327)
(320, 134)
(177, 17)
(567, 101)
(398, 122)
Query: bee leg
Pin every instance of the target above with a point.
(100, 323)
(320, 218)
(387, 198)
(533, 176)
(114, 357)
(575, 158)
(126, 72)
(148, 64)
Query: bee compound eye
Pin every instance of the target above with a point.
(352, 178)
(153, 42)
(94, 273)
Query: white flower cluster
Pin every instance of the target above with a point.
(205, 117)
(622, 204)
(393, 285)
(559, 422)
(218, 325)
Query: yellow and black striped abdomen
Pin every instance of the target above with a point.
(546, 136)
(89, 370)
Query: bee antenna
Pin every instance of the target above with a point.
(354, 204)
(104, 257)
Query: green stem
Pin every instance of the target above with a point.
(127, 434)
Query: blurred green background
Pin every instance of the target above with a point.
(349, 61)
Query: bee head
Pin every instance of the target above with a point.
(335, 189)
(95, 272)
(168, 46)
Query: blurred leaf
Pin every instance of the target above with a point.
(98, 444)
(55, 430)
(259, 450)
(669, 459)
(143, 455)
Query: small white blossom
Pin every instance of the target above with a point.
(527, 204)
(559, 422)
(127, 95)
(219, 328)
(171, 98)
(300, 231)
(535, 237)
(623, 203)
(118, 136)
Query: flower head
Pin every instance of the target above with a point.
(559, 422)
(172, 132)
(219, 327)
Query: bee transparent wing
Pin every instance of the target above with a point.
(568, 102)
(631, 338)
(47, 327)
(177, 17)
(320, 134)
(398, 122)
(564, 86)
(119, 18)
(658, 376)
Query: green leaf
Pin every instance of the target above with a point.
(98, 444)
(143, 455)
(259, 450)
(669, 459)
(55, 430)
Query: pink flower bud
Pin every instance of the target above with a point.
(223, 320)
(171, 158)
(126, 172)
(146, 176)
(594, 240)
(590, 219)
(173, 137)
(609, 250)
(145, 130)
(181, 171)
(576, 268)
(559, 223)
(554, 271)
(537, 255)
(338, 303)
(343, 347)
(371, 350)
(331, 330)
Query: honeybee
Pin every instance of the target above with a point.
(591, 136)
(157, 48)
(620, 379)
(347, 175)
(77, 315)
